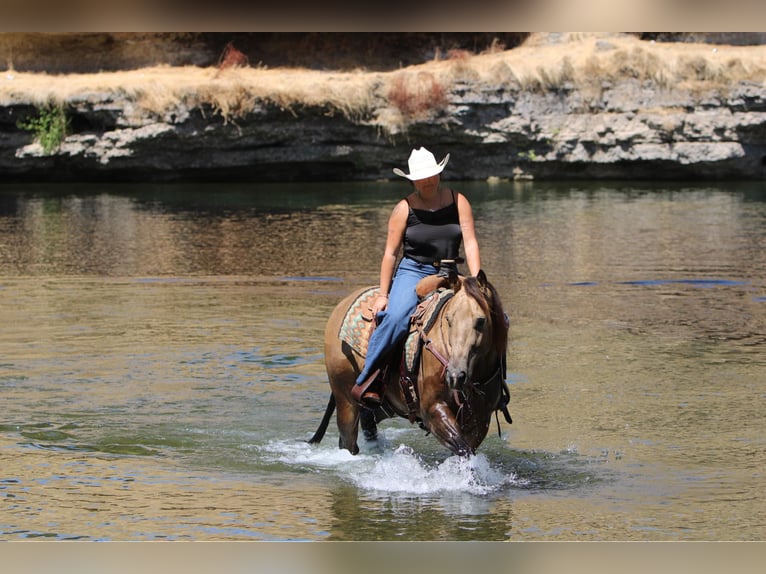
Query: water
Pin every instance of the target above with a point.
(161, 366)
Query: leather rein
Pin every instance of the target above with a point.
(459, 395)
(444, 360)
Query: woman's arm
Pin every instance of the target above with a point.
(397, 224)
(470, 244)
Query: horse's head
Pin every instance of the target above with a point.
(476, 330)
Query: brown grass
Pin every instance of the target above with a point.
(417, 96)
(416, 93)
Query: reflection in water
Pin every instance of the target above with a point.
(161, 364)
(449, 517)
(140, 235)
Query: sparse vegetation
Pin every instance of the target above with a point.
(50, 127)
(528, 155)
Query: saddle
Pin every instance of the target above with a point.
(357, 326)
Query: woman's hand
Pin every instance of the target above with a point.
(380, 303)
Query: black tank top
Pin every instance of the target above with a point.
(433, 235)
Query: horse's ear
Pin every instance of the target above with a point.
(481, 277)
(454, 280)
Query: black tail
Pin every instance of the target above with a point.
(319, 434)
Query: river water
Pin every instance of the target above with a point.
(161, 366)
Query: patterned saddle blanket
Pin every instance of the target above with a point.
(355, 330)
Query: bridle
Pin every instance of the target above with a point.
(443, 358)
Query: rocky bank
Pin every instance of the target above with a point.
(631, 129)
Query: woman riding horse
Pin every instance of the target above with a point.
(431, 222)
(451, 383)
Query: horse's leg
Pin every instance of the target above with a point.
(369, 424)
(348, 424)
(349, 416)
(342, 369)
(441, 422)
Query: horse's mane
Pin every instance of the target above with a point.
(488, 299)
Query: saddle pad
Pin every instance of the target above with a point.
(354, 330)
(412, 350)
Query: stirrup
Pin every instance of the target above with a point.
(364, 395)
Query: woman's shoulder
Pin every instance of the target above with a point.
(401, 209)
(459, 197)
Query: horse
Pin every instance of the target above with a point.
(457, 383)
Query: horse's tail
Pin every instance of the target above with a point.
(319, 434)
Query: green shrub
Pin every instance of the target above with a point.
(49, 126)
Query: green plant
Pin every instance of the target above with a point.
(50, 127)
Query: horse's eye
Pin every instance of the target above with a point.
(479, 323)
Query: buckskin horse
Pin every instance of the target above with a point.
(448, 376)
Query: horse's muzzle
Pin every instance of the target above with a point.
(456, 378)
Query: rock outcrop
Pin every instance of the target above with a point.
(632, 128)
(636, 132)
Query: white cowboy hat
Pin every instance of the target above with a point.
(422, 164)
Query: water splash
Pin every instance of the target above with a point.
(401, 470)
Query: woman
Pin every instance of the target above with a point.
(430, 223)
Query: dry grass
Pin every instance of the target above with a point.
(231, 92)
(589, 60)
(392, 99)
(418, 95)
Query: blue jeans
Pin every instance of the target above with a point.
(393, 322)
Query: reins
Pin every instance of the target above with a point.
(424, 327)
(476, 387)
(428, 344)
(444, 360)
